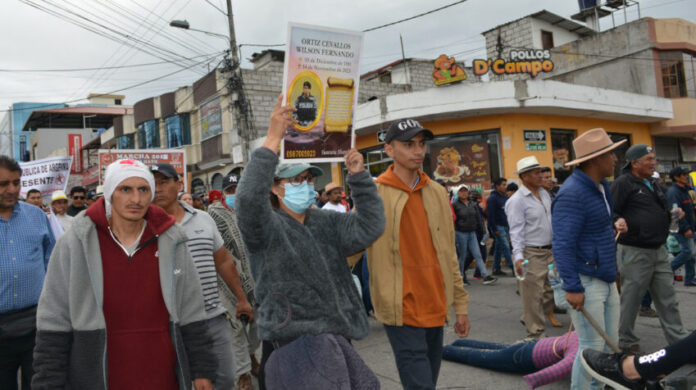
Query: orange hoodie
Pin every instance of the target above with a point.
(424, 302)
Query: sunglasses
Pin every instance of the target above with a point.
(78, 197)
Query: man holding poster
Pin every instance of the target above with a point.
(322, 71)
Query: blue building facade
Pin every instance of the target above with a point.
(19, 113)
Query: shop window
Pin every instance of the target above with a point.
(562, 149)
(620, 152)
(376, 161)
(472, 159)
(673, 81)
(546, 40)
(178, 130)
(148, 135)
(126, 141)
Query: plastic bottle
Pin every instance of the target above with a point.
(674, 225)
(484, 240)
(554, 278)
(525, 267)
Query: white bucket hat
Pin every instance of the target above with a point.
(526, 164)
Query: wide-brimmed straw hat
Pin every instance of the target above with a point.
(527, 164)
(591, 144)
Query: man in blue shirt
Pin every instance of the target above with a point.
(584, 247)
(497, 222)
(26, 241)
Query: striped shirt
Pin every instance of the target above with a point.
(554, 366)
(204, 240)
(26, 242)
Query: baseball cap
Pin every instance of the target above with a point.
(635, 152)
(406, 129)
(231, 179)
(165, 169)
(286, 171)
(678, 171)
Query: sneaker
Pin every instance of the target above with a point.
(466, 282)
(690, 283)
(488, 280)
(606, 368)
(554, 322)
(478, 278)
(498, 272)
(647, 312)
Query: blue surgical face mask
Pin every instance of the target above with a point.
(298, 198)
(229, 201)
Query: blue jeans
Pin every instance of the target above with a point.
(602, 303)
(685, 257)
(418, 354)
(500, 357)
(468, 242)
(502, 247)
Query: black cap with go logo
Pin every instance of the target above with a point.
(405, 129)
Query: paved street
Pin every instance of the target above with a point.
(494, 313)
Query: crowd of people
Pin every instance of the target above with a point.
(141, 285)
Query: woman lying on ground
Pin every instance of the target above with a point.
(544, 361)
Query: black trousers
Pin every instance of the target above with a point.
(15, 353)
(668, 359)
(418, 354)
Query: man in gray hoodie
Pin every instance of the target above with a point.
(122, 306)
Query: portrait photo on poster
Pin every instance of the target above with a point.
(320, 81)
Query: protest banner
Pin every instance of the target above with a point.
(46, 175)
(175, 157)
(321, 77)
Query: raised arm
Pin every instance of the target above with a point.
(360, 229)
(253, 206)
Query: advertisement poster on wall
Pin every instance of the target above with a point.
(75, 151)
(322, 73)
(462, 163)
(46, 175)
(175, 157)
(211, 119)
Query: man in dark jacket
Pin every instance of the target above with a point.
(122, 306)
(583, 244)
(642, 217)
(497, 221)
(78, 198)
(678, 194)
(468, 223)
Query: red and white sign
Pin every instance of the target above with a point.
(90, 176)
(75, 150)
(175, 157)
(46, 175)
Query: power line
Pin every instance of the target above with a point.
(415, 16)
(98, 68)
(120, 89)
(216, 7)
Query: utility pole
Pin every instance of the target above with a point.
(240, 104)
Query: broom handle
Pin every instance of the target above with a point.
(601, 331)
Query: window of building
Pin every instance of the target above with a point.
(546, 40)
(385, 77)
(469, 158)
(673, 80)
(117, 102)
(126, 141)
(562, 149)
(216, 182)
(198, 187)
(178, 129)
(148, 135)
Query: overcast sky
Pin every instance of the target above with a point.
(33, 39)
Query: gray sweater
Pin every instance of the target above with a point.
(303, 282)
